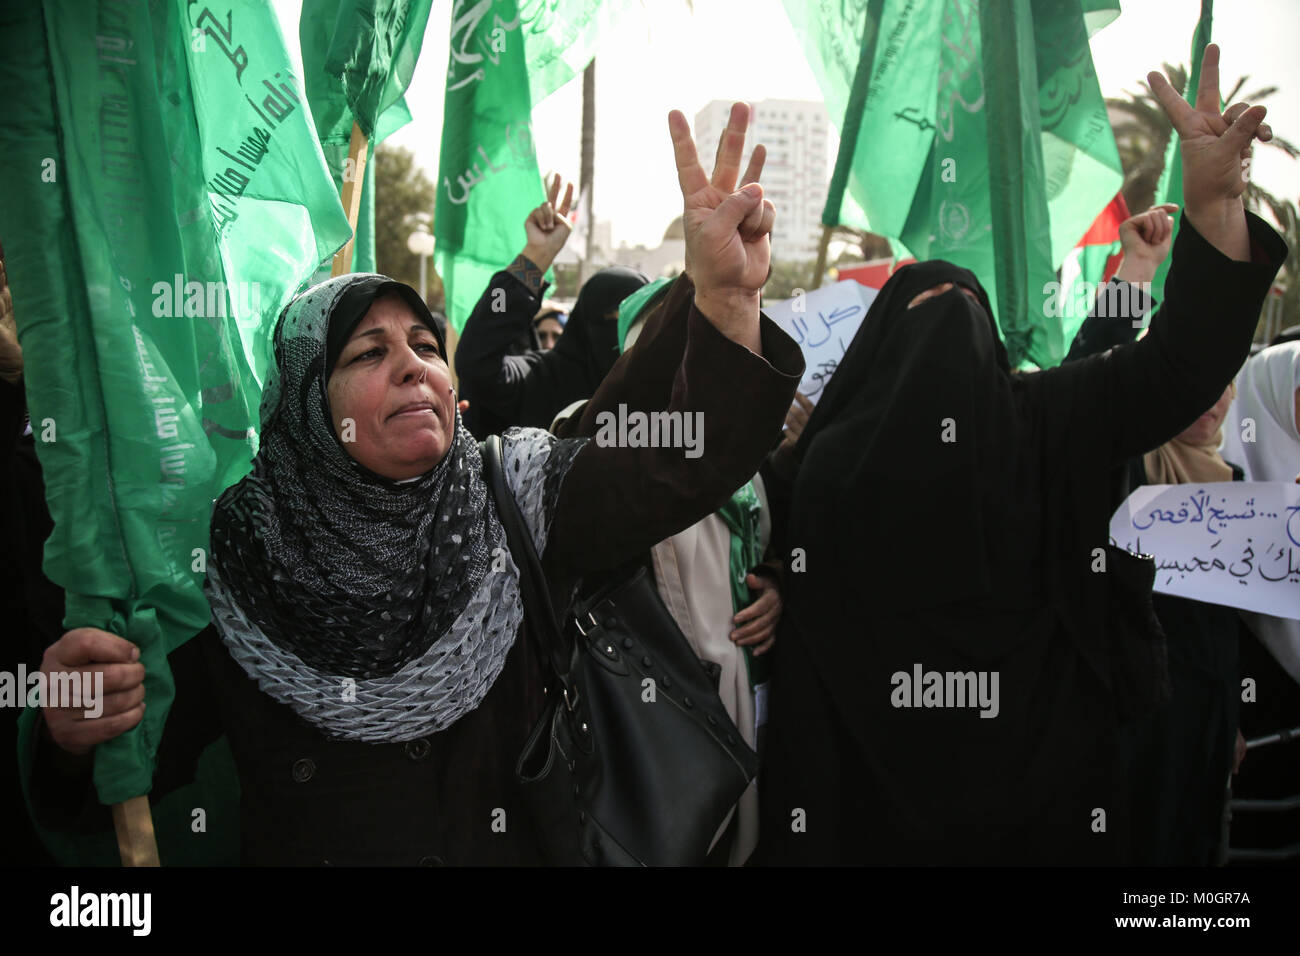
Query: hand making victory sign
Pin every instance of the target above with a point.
(547, 227)
(1216, 152)
(728, 249)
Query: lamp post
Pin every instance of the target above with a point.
(420, 243)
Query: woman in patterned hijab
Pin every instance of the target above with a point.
(360, 546)
(368, 659)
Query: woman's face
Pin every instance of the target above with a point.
(1205, 427)
(390, 393)
(549, 331)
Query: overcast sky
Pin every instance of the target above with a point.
(665, 58)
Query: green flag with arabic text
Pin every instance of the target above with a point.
(506, 56)
(165, 198)
(971, 132)
(358, 59)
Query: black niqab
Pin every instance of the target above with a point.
(906, 460)
(590, 336)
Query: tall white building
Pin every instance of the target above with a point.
(794, 178)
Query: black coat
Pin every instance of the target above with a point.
(1175, 762)
(453, 797)
(504, 389)
(850, 776)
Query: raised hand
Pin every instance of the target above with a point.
(1146, 236)
(547, 227)
(1216, 155)
(1145, 239)
(728, 249)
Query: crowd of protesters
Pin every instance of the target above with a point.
(809, 555)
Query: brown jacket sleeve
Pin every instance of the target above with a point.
(616, 502)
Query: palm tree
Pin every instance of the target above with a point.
(1288, 219)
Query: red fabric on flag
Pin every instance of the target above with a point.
(1105, 228)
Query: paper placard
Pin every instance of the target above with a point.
(1235, 543)
(823, 323)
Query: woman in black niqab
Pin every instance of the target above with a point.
(584, 354)
(946, 518)
(590, 337)
(917, 443)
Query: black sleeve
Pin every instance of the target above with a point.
(1152, 389)
(527, 390)
(1112, 320)
(62, 788)
(489, 376)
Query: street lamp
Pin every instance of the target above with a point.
(420, 243)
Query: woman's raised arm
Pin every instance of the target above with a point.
(686, 417)
(1224, 261)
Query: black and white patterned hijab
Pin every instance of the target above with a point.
(377, 610)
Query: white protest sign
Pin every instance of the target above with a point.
(823, 323)
(1235, 543)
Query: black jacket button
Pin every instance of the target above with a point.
(418, 748)
(303, 770)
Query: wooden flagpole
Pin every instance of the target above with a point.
(351, 197)
(135, 837)
(822, 249)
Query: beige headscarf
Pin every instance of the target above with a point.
(1178, 462)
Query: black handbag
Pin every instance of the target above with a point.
(634, 760)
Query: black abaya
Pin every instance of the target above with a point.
(949, 515)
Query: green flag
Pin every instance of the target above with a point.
(970, 132)
(561, 37)
(504, 58)
(1170, 187)
(166, 197)
(270, 187)
(358, 58)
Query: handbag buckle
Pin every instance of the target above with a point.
(592, 618)
(571, 704)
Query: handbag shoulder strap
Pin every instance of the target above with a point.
(538, 610)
